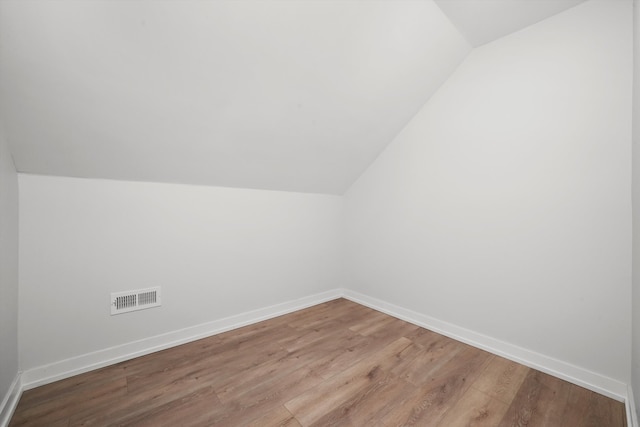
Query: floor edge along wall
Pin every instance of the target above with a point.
(66, 368)
(10, 401)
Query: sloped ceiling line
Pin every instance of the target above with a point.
(281, 95)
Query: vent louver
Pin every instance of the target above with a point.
(124, 302)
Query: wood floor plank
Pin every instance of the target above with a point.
(501, 379)
(392, 330)
(59, 423)
(266, 396)
(329, 394)
(366, 322)
(383, 323)
(367, 407)
(425, 337)
(578, 403)
(279, 417)
(540, 401)
(589, 409)
(152, 396)
(73, 385)
(430, 360)
(375, 400)
(310, 336)
(440, 390)
(318, 314)
(475, 409)
(354, 348)
(346, 312)
(57, 409)
(403, 366)
(334, 364)
(238, 385)
(198, 407)
(217, 369)
(202, 348)
(313, 353)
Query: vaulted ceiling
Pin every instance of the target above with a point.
(482, 21)
(278, 94)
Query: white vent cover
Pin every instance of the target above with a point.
(124, 302)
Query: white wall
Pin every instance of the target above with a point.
(278, 94)
(8, 269)
(635, 356)
(504, 206)
(215, 251)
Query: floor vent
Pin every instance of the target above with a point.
(124, 302)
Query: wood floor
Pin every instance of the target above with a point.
(337, 363)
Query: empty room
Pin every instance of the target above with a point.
(319, 213)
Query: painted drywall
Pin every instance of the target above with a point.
(487, 20)
(271, 94)
(215, 252)
(504, 205)
(8, 269)
(635, 301)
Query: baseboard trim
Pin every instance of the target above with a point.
(87, 362)
(10, 401)
(566, 371)
(630, 405)
(90, 361)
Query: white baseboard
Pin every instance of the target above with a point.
(10, 401)
(630, 405)
(566, 371)
(87, 362)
